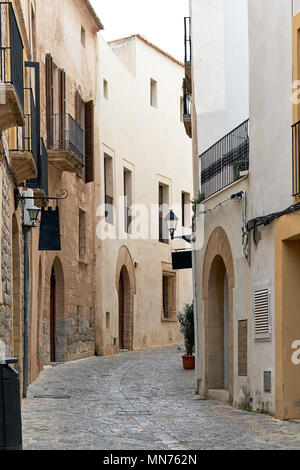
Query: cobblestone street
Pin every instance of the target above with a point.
(141, 400)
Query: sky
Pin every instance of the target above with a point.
(160, 21)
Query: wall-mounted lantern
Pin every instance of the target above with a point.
(30, 211)
(171, 221)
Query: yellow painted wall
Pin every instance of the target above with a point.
(287, 325)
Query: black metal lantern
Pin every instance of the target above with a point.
(171, 221)
(33, 214)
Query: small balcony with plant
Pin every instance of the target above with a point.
(11, 70)
(226, 162)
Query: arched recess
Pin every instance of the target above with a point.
(17, 295)
(218, 284)
(57, 312)
(126, 288)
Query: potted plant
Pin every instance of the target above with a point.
(186, 321)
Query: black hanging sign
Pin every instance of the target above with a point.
(182, 260)
(50, 230)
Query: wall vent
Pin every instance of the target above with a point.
(262, 314)
(267, 381)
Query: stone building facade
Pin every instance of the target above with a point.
(247, 172)
(144, 169)
(60, 107)
(50, 95)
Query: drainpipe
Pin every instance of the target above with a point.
(26, 312)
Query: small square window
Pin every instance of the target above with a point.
(105, 89)
(82, 36)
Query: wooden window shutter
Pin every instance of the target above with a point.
(89, 141)
(262, 314)
(49, 99)
(62, 106)
(62, 91)
(77, 106)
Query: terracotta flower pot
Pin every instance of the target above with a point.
(188, 362)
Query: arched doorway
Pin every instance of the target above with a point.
(125, 313)
(125, 284)
(57, 303)
(39, 316)
(217, 328)
(218, 284)
(52, 317)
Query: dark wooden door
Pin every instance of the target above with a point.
(52, 317)
(121, 312)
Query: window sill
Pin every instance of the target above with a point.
(169, 320)
(83, 261)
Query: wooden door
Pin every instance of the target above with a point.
(121, 312)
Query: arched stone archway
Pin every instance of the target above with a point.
(57, 338)
(218, 285)
(126, 288)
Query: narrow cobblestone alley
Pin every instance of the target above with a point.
(140, 400)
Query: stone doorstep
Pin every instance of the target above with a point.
(220, 395)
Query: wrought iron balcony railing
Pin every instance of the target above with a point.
(226, 161)
(296, 159)
(11, 51)
(187, 40)
(66, 134)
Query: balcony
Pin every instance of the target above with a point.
(187, 116)
(65, 143)
(23, 143)
(11, 70)
(226, 161)
(188, 52)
